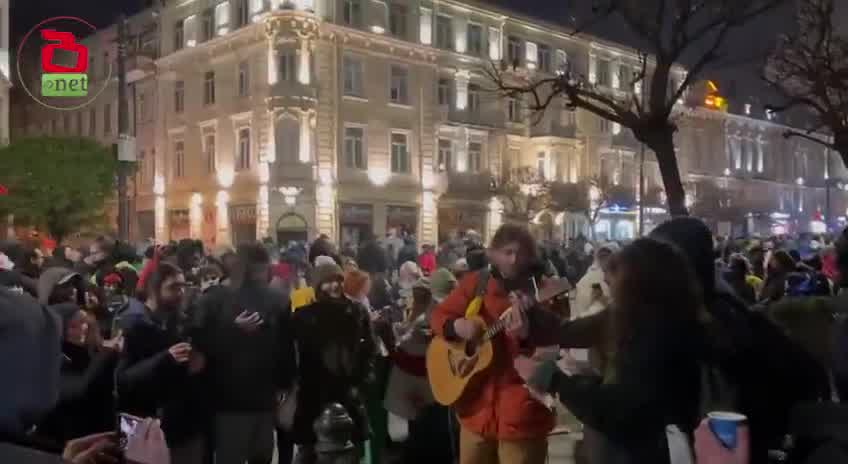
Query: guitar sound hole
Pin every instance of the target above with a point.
(470, 350)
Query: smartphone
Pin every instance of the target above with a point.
(127, 426)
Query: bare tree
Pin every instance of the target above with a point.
(523, 193)
(672, 31)
(810, 69)
(589, 197)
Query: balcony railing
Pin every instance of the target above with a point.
(553, 129)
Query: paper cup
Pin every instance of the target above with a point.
(724, 425)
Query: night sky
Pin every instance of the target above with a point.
(739, 78)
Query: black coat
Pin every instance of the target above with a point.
(372, 258)
(246, 370)
(152, 384)
(336, 352)
(86, 403)
(656, 383)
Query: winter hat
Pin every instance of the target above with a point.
(322, 260)
(325, 273)
(30, 349)
(442, 283)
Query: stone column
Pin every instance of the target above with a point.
(304, 70)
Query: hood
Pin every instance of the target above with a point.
(442, 283)
(50, 278)
(695, 240)
(30, 337)
(324, 273)
(65, 312)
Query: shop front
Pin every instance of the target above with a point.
(243, 223)
(404, 219)
(291, 227)
(146, 223)
(456, 222)
(356, 223)
(179, 224)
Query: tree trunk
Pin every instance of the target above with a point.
(662, 143)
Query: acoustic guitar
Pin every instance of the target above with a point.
(452, 366)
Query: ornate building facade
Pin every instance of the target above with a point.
(286, 119)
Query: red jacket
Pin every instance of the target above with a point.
(499, 406)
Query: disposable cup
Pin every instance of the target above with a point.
(725, 426)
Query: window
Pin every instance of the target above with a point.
(399, 85)
(207, 25)
(400, 153)
(211, 159)
(513, 110)
(352, 12)
(354, 147)
(444, 92)
(475, 154)
(92, 123)
(142, 166)
(179, 35)
(542, 165)
(445, 155)
(604, 72)
(242, 13)
(544, 58)
(288, 67)
(625, 77)
(243, 160)
(179, 96)
(475, 39)
(243, 79)
(142, 107)
(179, 159)
(444, 32)
(353, 73)
(605, 125)
(222, 17)
(209, 88)
(513, 51)
(473, 99)
(107, 119)
(397, 20)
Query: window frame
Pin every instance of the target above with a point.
(475, 163)
(179, 159)
(179, 35)
(243, 79)
(403, 97)
(243, 161)
(352, 13)
(179, 96)
(406, 161)
(350, 62)
(401, 26)
(450, 45)
(209, 88)
(445, 158)
(471, 50)
(351, 162)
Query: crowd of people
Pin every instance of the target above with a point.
(232, 355)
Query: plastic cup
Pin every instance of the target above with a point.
(724, 425)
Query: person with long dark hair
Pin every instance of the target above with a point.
(654, 380)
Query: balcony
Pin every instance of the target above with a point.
(291, 93)
(469, 185)
(625, 140)
(140, 66)
(553, 129)
(480, 117)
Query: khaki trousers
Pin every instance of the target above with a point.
(474, 449)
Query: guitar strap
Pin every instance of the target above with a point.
(476, 303)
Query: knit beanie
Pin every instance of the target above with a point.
(324, 273)
(442, 282)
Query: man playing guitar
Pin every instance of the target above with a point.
(501, 421)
